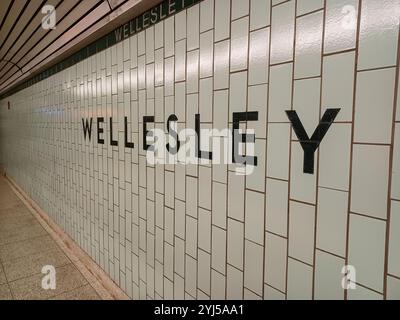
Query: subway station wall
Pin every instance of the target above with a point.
(203, 231)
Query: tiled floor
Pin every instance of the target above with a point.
(25, 247)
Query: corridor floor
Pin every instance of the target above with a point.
(25, 248)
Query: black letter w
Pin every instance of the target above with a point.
(87, 129)
(310, 145)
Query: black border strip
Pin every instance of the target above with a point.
(150, 17)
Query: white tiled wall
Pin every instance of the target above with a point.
(202, 231)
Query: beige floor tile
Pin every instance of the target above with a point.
(67, 278)
(3, 279)
(13, 223)
(33, 264)
(83, 293)
(27, 247)
(5, 293)
(9, 203)
(21, 234)
(16, 210)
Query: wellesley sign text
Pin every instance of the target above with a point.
(238, 141)
(152, 16)
(236, 137)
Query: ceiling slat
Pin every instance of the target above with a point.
(78, 12)
(3, 9)
(91, 18)
(64, 7)
(32, 40)
(29, 48)
(16, 8)
(30, 10)
(28, 31)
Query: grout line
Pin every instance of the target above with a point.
(318, 151)
(290, 152)
(352, 139)
(390, 173)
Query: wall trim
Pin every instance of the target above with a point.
(96, 277)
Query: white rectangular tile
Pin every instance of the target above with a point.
(191, 199)
(219, 199)
(273, 294)
(301, 231)
(367, 250)
(217, 285)
(253, 267)
(362, 293)
(393, 288)
(334, 162)
(240, 8)
(299, 285)
(223, 22)
(191, 276)
(278, 147)
(328, 277)
(280, 92)
(340, 25)
(180, 25)
(374, 106)
(180, 60)
(237, 93)
(275, 261)
(302, 185)
(204, 234)
(179, 226)
(308, 45)
(236, 196)
(276, 206)
(191, 236)
(332, 221)
(218, 251)
(221, 65)
(204, 272)
(169, 36)
(239, 44)
(370, 180)
(282, 35)
(259, 56)
(206, 99)
(306, 6)
(254, 217)
(255, 175)
(234, 283)
(260, 11)
(235, 243)
(206, 15)
(192, 72)
(206, 54)
(378, 37)
(338, 76)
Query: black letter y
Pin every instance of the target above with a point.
(310, 145)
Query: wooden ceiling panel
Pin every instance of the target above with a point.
(4, 4)
(31, 9)
(71, 19)
(11, 18)
(28, 31)
(27, 49)
(95, 15)
(64, 7)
